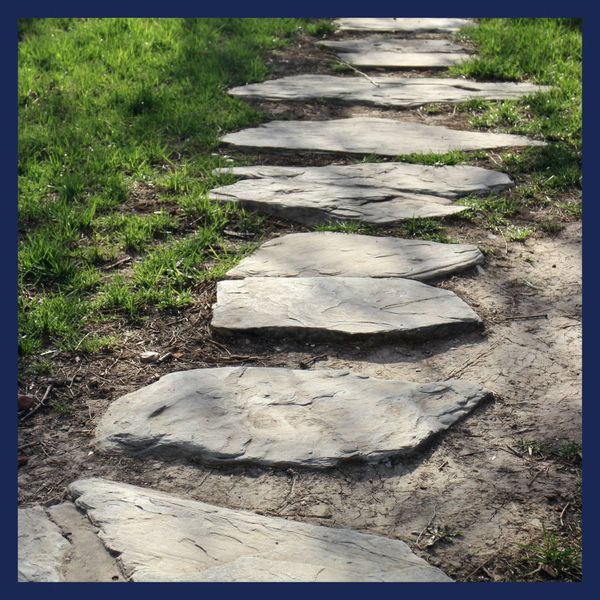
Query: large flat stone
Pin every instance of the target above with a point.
(408, 25)
(339, 307)
(370, 135)
(321, 254)
(276, 416)
(398, 53)
(377, 193)
(161, 537)
(390, 91)
(42, 547)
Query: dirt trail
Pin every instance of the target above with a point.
(492, 482)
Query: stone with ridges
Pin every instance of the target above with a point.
(339, 307)
(370, 135)
(397, 53)
(408, 25)
(321, 254)
(42, 547)
(161, 537)
(391, 91)
(276, 416)
(377, 193)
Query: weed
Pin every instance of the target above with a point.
(346, 227)
(425, 229)
(554, 557)
(518, 234)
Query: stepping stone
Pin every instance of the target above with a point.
(161, 537)
(377, 193)
(410, 25)
(398, 53)
(369, 135)
(277, 416)
(47, 554)
(42, 547)
(322, 254)
(333, 308)
(391, 91)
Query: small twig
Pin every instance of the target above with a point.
(359, 72)
(562, 514)
(426, 527)
(512, 451)
(305, 364)
(116, 264)
(290, 494)
(105, 372)
(37, 407)
(525, 317)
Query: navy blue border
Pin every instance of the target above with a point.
(306, 8)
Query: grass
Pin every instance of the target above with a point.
(119, 120)
(554, 557)
(546, 52)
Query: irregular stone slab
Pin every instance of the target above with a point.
(392, 91)
(339, 307)
(321, 254)
(87, 559)
(409, 25)
(42, 547)
(161, 537)
(370, 135)
(276, 416)
(377, 193)
(397, 53)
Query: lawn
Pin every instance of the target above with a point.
(119, 120)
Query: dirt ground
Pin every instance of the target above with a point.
(466, 503)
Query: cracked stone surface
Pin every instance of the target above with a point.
(161, 537)
(339, 307)
(278, 416)
(377, 193)
(391, 91)
(397, 53)
(414, 25)
(370, 135)
(325, 253)
(42, 547)
(59, 544)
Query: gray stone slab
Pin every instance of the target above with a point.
(87, 559)
(161, 537)
(390, 91)
(328, 308)
(407, 25)
(376, 193)
(397, 53)
(370, 135)
(277, 416)
(42, 547)
(322, 254)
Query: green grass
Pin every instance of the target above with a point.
(109, 107)
(546, 52)
(554, 557)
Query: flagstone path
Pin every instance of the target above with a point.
(376, 193)
(394, 53)
(382, 91)
(410, 25)
(275, 416)
(326, 253)
(370, 135)
(334, 286)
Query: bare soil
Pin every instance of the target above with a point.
(466, 503)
